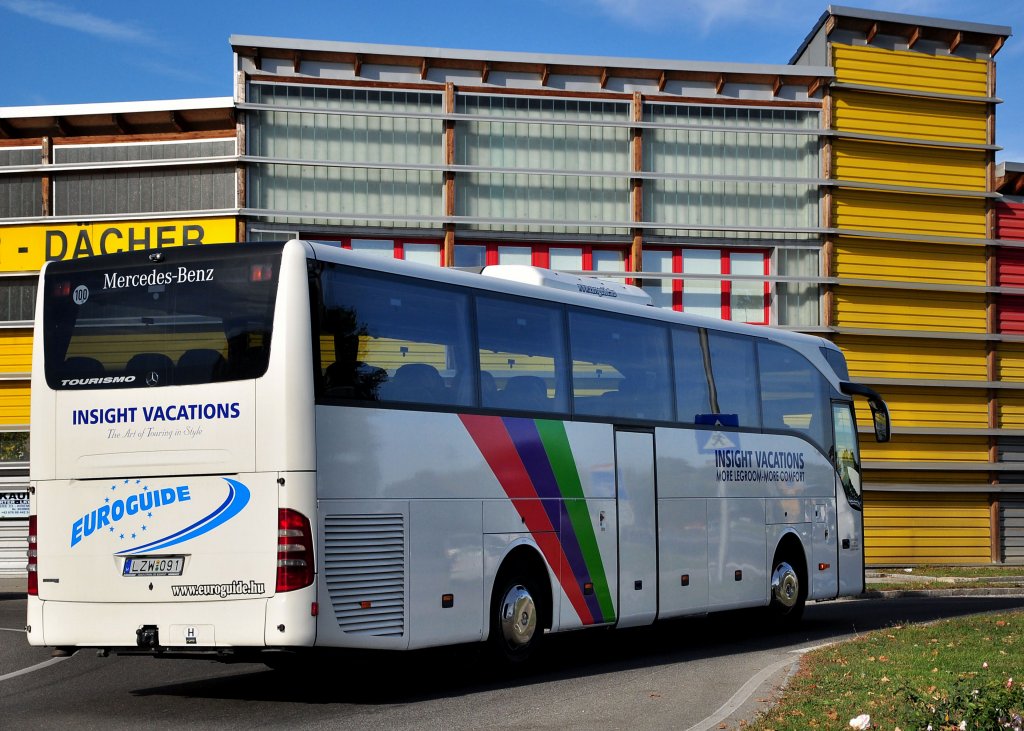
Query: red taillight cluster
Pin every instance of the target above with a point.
(33, 553)
(294, 550)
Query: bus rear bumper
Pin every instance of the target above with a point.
(181, 626)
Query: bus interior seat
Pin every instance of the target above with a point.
(150, 362)
(525, 392)
(415, 382)
(488, 389)
(81, 367)
(202, 364)
(354, 380)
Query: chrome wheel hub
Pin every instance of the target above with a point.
(518, 616)
(785, 585)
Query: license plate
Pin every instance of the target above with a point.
(154, 565)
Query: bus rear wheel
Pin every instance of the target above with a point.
(788, 591)
(517, 614)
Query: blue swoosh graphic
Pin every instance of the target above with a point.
(238, 498)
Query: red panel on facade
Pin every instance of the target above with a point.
(1010, 220)
(1011, 314)
(1010, 261)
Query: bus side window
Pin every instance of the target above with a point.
(793, 393)
(392, 340)
(691, 377)
(522, 355)
(734, 366)
(620, 367)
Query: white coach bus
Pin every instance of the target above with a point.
(244, 451)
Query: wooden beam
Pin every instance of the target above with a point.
(872, 32)
(424, 69)
(176, 121)
(914, 36)
(1018, 184)
(957, 40)
(7, 130)
(297, 61)
(830, 25)
(720, 84)
(485, 72)
(357, 65)
(813, 87)
(61, 123)
(545, 72)
(662, 80)
(121, 123)
(996, 45)
(777, 85)
(604, 77)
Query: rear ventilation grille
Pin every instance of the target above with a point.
(365, 568)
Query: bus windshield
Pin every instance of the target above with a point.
(160, 319)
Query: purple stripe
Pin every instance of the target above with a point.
(582, 574)
(531, 450)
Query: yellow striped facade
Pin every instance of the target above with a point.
(14, 403)
(909, 358)
(907, 202)
(15, 351)
(916, 528)
(909, 262)
(890, 116)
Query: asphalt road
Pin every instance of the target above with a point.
(686, 674)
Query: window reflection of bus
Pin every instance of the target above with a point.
(309, 448)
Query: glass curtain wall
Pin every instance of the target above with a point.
(363, 154)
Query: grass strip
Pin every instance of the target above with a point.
(909, 676)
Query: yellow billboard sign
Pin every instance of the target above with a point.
(25, 248)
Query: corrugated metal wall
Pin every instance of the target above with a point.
(966, 408)
(16, 353)
(914, 215)
(859, 258)
(908, 358)
(13, 402)
(918, 167)
(925, 119)
(912, 159)
(894, 309)
(1011, 528)
(905, 528)
(914, 71)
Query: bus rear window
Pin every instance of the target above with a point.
(125, 321)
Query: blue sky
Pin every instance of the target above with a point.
(73, 51)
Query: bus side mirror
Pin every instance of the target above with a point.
(879, 411)
(880, 419)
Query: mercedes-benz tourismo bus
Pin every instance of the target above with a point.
(265, 448)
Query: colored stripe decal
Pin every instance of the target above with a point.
(556, 442)
(533, 462)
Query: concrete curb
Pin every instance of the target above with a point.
(976, 592)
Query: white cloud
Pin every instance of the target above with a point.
(65, 17)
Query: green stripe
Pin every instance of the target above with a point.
(556, 445)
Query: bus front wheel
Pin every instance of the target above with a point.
(788, 591)
(516, 616)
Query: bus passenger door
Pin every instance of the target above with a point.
(637, 500)
(849, 501)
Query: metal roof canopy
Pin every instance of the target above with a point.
(904, 25)
(486, 61)
(118, 118)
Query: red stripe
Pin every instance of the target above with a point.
(498, 449)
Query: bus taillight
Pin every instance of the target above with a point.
(33, 569)
(294, 550)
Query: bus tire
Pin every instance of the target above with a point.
(517, 615)
(788, 587)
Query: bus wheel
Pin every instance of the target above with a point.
(789, 592)
(516, 616)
